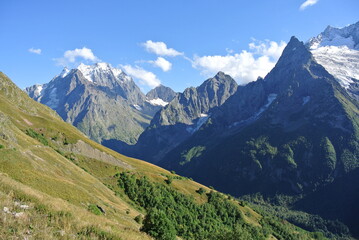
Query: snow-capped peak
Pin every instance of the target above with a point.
(103, 66)
(337, 50)
(90, 72)
(346, 36)
(64, 72)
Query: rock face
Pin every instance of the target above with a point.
(164, 93)
(181, 118)
(102, 101)
(291, 132)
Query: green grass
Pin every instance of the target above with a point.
(38, 221)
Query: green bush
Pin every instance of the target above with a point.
(328, 154)
(94, 209)
(139, 218)
(200, 191)
(32, 133)
(169, 180)
(157, 225)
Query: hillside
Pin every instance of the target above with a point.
(57, 183)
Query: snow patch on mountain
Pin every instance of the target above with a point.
(54, 101)
(341, 62)
(337, 50)
(36, 91)
(157, 102)
(137, 107)
(92, 72)
(346, 36)
(64, 72)
(39, 88)
(271, 97)
(200, 121)
(335, 40)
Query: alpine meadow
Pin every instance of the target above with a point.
(206, 120)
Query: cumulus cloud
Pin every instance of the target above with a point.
(245, 66)
(35, 50)
(162, 63)
(268, 48)
(146, 78)
(307, 3)
(160, 48)
(71, 56)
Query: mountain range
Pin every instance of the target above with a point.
(101, 101)
(58, 184)
(291, 135)
(180, 119)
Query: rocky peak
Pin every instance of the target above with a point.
(194, 102)
(295, 53)
(161, 92)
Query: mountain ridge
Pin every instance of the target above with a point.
(178, 120)
(102, 101)
(337, 49)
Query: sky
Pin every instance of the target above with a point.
(175, 43)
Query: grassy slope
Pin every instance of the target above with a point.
(60, 183)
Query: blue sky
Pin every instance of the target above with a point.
(176, 43)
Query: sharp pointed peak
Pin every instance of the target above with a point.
(293, 48)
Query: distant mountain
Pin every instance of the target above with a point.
(181, 118)
(102, 101)
(160, 95)
(337, 49)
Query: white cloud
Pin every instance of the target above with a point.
(70, 56)
(307, 3)
(244, 66)
(162, 63)
(268, 48)
(160, 48)
(35, 50)
(145, 77)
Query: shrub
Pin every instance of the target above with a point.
(94, 209)
(32, 133)
(139, 218)
(169, 180)
(200, 191)
(157, 225)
